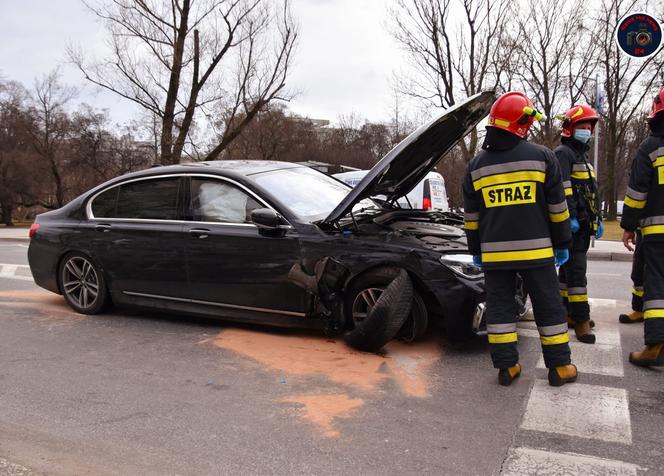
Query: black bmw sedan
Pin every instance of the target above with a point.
(267, 242)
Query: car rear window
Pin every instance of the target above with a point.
(148, 199)
(103, 206)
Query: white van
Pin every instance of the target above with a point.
(428, 194)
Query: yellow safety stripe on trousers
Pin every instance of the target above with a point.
(568, 191)
(554, 340)
(630, 202)
(637, 292)
(503, 338)
(471, 225)
(577, 298)
(558, 217)
(652, 230)
(581, 175)
(510, 177)
(563, 293)
(526, 255)
(653, 314)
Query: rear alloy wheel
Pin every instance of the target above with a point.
(82, 284)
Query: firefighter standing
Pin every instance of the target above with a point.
(515, 216)
(644, 208)
(583, 203)
(637, 285)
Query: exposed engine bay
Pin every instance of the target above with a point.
(440, 231)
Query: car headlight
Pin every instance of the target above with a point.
(462, 265)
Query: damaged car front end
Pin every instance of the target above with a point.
(274, 243)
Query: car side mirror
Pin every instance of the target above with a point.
(269, 222)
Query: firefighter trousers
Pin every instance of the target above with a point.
(501, 309)
(637, 275)
(572, 277)
(653, 301)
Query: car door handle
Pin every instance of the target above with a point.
(200, 233)
(104, 228)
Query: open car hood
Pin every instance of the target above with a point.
(403, 167)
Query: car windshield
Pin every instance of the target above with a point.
(310, 194)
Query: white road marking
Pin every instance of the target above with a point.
(595, 359)
(528, 461)
(604, 274)
(586, 411)
(612, 303)
(8, 271)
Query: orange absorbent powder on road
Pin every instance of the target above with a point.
(305, 356)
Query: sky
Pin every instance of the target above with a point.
(343, 65)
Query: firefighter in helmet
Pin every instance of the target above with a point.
(583, 203)
(644, 209)
(516, 221)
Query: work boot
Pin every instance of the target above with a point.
(507, 376)
(571, 322)
(631, 318)
(562, 374)
(651, 355)
(584, 332)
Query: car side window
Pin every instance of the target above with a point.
(155, 199)
(222, 202)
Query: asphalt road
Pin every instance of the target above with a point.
(136, 393)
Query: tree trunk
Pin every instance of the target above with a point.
(168, 122)
(611, 172)
(7, 212)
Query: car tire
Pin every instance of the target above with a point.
(82, 284)
(417, 323)
(386, 315)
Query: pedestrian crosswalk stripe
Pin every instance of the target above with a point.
(586, 411)
(595, 359)
(15, 271)
(529, 461)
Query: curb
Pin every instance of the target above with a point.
(609, 256)
(15, 240)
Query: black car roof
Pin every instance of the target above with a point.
(231, 167)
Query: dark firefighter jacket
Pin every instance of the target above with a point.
(579, 181)
(515, 208)
(644, 200)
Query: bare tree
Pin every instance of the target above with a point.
(185, 59)
(18, 175)
(457, 48)
(52, 128)
(554, 58)
(628, 82)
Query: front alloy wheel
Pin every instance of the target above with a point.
(82, 284)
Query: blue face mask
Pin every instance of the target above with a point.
(582, 135)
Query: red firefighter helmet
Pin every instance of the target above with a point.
(657, 105)
(577, 114)
(514, 112)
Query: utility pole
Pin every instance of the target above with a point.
(598, 108)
